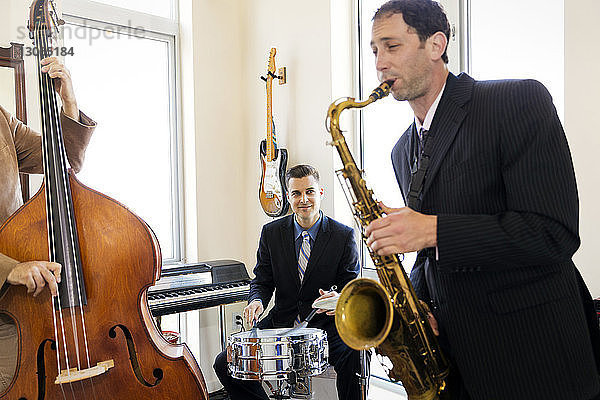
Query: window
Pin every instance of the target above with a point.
(528, 43)
(159, 8)
(123, 71)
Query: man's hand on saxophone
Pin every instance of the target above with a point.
(401, 230)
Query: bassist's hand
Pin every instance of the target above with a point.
(63, 84)
(35, 275)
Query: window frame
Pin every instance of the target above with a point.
(457, 10)
(105, 17)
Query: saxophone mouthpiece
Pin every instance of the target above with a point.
(382, 90)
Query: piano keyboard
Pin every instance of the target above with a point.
(195, 298)
(197, 286)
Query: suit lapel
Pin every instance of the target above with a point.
(287, 240)
(407, 160)
(318, 249)
(446, 122)
(401, 160)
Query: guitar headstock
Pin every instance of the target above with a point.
(271, 66)
(43, 17)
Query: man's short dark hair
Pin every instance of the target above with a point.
(426, 17)
(300, 171)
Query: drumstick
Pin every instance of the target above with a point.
(253, 332)
(304, 323)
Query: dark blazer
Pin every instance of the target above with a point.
(505, 292)
(333, 261)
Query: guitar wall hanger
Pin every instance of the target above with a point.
(282, 77)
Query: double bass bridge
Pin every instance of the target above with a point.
(74, 374)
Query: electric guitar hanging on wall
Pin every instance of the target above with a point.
(272, 191)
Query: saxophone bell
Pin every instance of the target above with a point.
(365, 314)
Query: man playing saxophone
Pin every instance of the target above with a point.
(492, 209)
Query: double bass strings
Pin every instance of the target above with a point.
(70, 218)
(53, 177)
(51, 239)
(49, 105)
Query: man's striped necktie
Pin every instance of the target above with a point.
(303, 259)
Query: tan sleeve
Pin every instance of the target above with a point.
(6, 265)
(76, 136)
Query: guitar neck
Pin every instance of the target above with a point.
(270, 133)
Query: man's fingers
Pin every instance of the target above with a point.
(49, 60)
(51, 280)
(247, 314)
(377, 224)
(40, 282)
(389, 250)
(56, 269)
(433, 324)
(384, 243)
(388, 210)
(384, 208)
(29, 283)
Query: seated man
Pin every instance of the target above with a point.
(298, 255)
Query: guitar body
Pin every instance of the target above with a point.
(272, 191)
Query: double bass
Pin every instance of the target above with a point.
(96, 339)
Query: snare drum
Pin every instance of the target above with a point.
(265, 355)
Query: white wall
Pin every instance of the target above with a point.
(227, 43)
(582, 125)
(300, 32)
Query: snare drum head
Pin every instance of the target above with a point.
(267, 355)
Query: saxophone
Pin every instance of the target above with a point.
(386, 315)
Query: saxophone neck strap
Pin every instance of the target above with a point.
(417, 179)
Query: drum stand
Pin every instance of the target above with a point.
(279, 392)
(295, 386)
(363, 378)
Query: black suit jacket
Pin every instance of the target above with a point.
(333, 261)
(505, 291)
